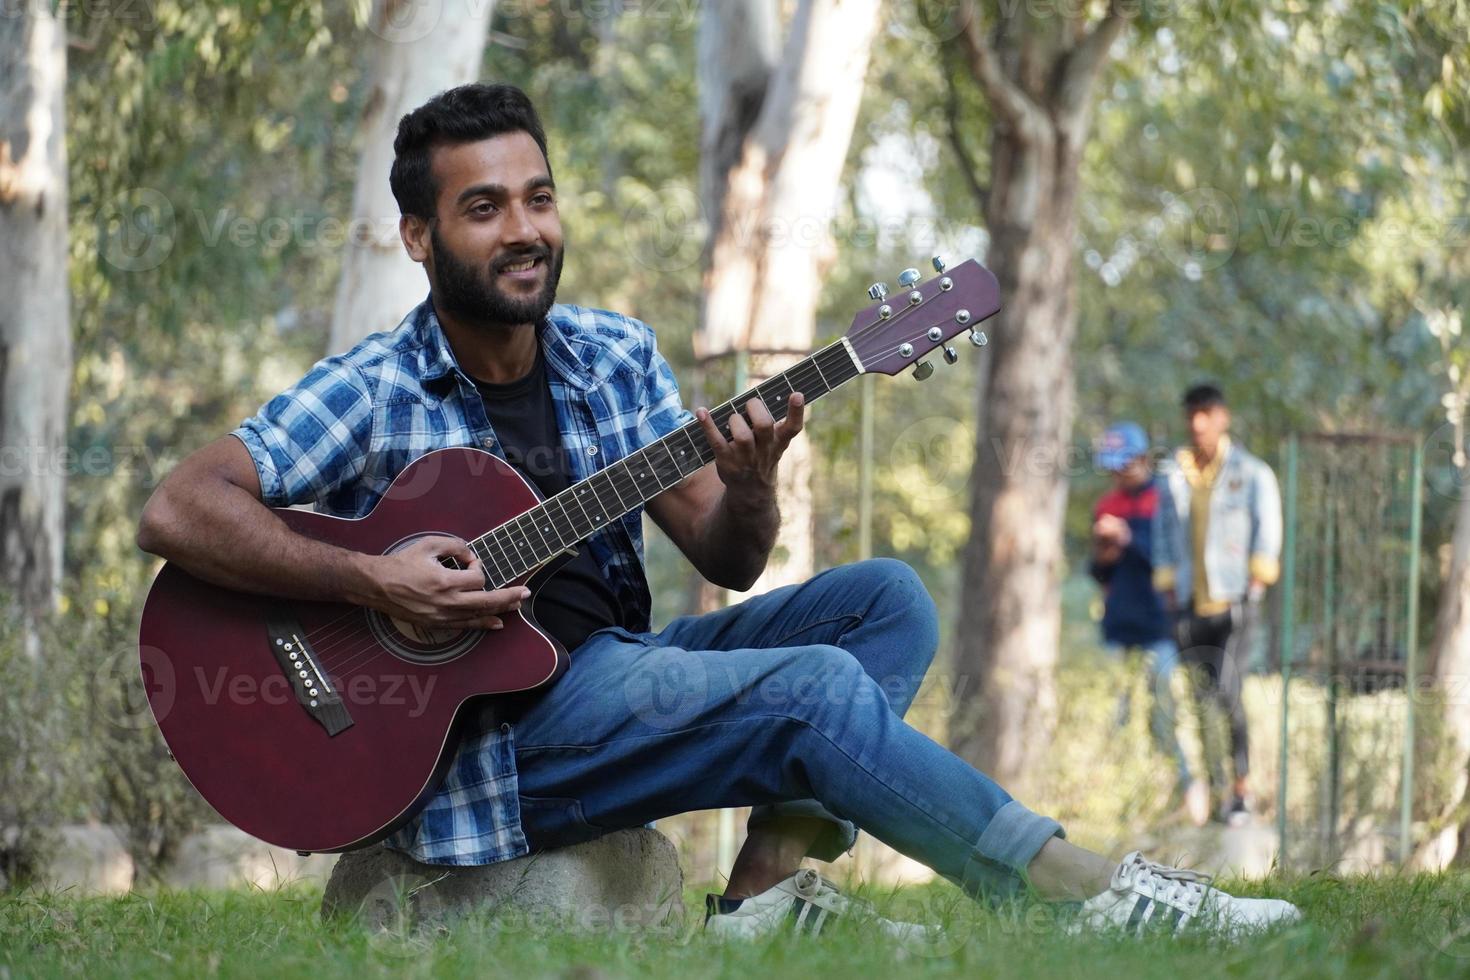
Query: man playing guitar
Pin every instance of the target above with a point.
(790, 702)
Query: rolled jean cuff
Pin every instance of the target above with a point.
(1016, 835)
(834, 840)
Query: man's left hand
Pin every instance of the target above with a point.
(746, 462)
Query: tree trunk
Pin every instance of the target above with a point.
(1450, 655)
(1009, 632)
(35, 321)
(419, 50)
(775, 140)
(1039, 93)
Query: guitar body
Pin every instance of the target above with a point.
(344, 766)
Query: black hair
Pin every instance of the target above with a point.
(464, 114)
(1203, 397)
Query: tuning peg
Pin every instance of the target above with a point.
(908, 277)
(938, 261)
(922, 370)
(950, 355)
(978, 338)
(878, 290)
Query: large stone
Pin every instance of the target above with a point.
(626, 880)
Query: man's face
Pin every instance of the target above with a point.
(495, 246)
(1134, 475)
(1206, 426)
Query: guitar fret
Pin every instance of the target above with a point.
(598, 516)
(624, 485)
(609, 479)
(522, 545)
(505, 556)
(643, 473)
(545, 523)
(486, 560)
(578, 531)
(663, 462)
(699, 448)
(521, 523)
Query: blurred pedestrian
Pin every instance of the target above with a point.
(1134, 616)
(1217, 548)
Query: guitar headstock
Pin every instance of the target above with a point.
(900, 328)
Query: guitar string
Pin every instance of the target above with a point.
(809, 371)
(341, 659)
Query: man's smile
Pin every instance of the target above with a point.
(523, 269)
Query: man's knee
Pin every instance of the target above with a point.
(902, 595)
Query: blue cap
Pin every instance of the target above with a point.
(1120, 445)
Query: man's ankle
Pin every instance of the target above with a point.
(753, 881)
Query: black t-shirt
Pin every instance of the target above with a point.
(577, 601)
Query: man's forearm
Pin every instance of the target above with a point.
(737, 540)
(222, 534)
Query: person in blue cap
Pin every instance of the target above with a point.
(1134, 617)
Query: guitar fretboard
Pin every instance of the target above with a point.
(560, 522)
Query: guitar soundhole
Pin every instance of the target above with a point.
(418, 644)
(415, 643)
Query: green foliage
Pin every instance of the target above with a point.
(79, 745)
(31, 732)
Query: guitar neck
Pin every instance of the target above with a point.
(529, 541)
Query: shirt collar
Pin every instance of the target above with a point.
(575, 356)
(1205, 477)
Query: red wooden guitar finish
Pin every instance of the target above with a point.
(323, 727)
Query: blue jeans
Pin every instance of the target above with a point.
(790, 702)
(1163, 660)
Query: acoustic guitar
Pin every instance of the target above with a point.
(323, 727)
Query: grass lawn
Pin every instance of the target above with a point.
(1359, 927)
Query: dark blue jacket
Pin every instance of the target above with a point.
(1133, 612)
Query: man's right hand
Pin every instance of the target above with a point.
(414, 585)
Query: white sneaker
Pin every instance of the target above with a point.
(802, 903)
(1148, 897)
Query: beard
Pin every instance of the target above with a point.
(469, 291)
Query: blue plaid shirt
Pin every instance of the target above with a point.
(339, 436)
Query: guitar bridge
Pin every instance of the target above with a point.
(308, 680)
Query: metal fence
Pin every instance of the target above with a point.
(1349, 648)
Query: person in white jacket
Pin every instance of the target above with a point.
(1217, 545)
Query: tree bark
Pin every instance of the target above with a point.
(776, 135)
(419, 50)
(35, 320)
(1450, 655)
(1039, 94)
